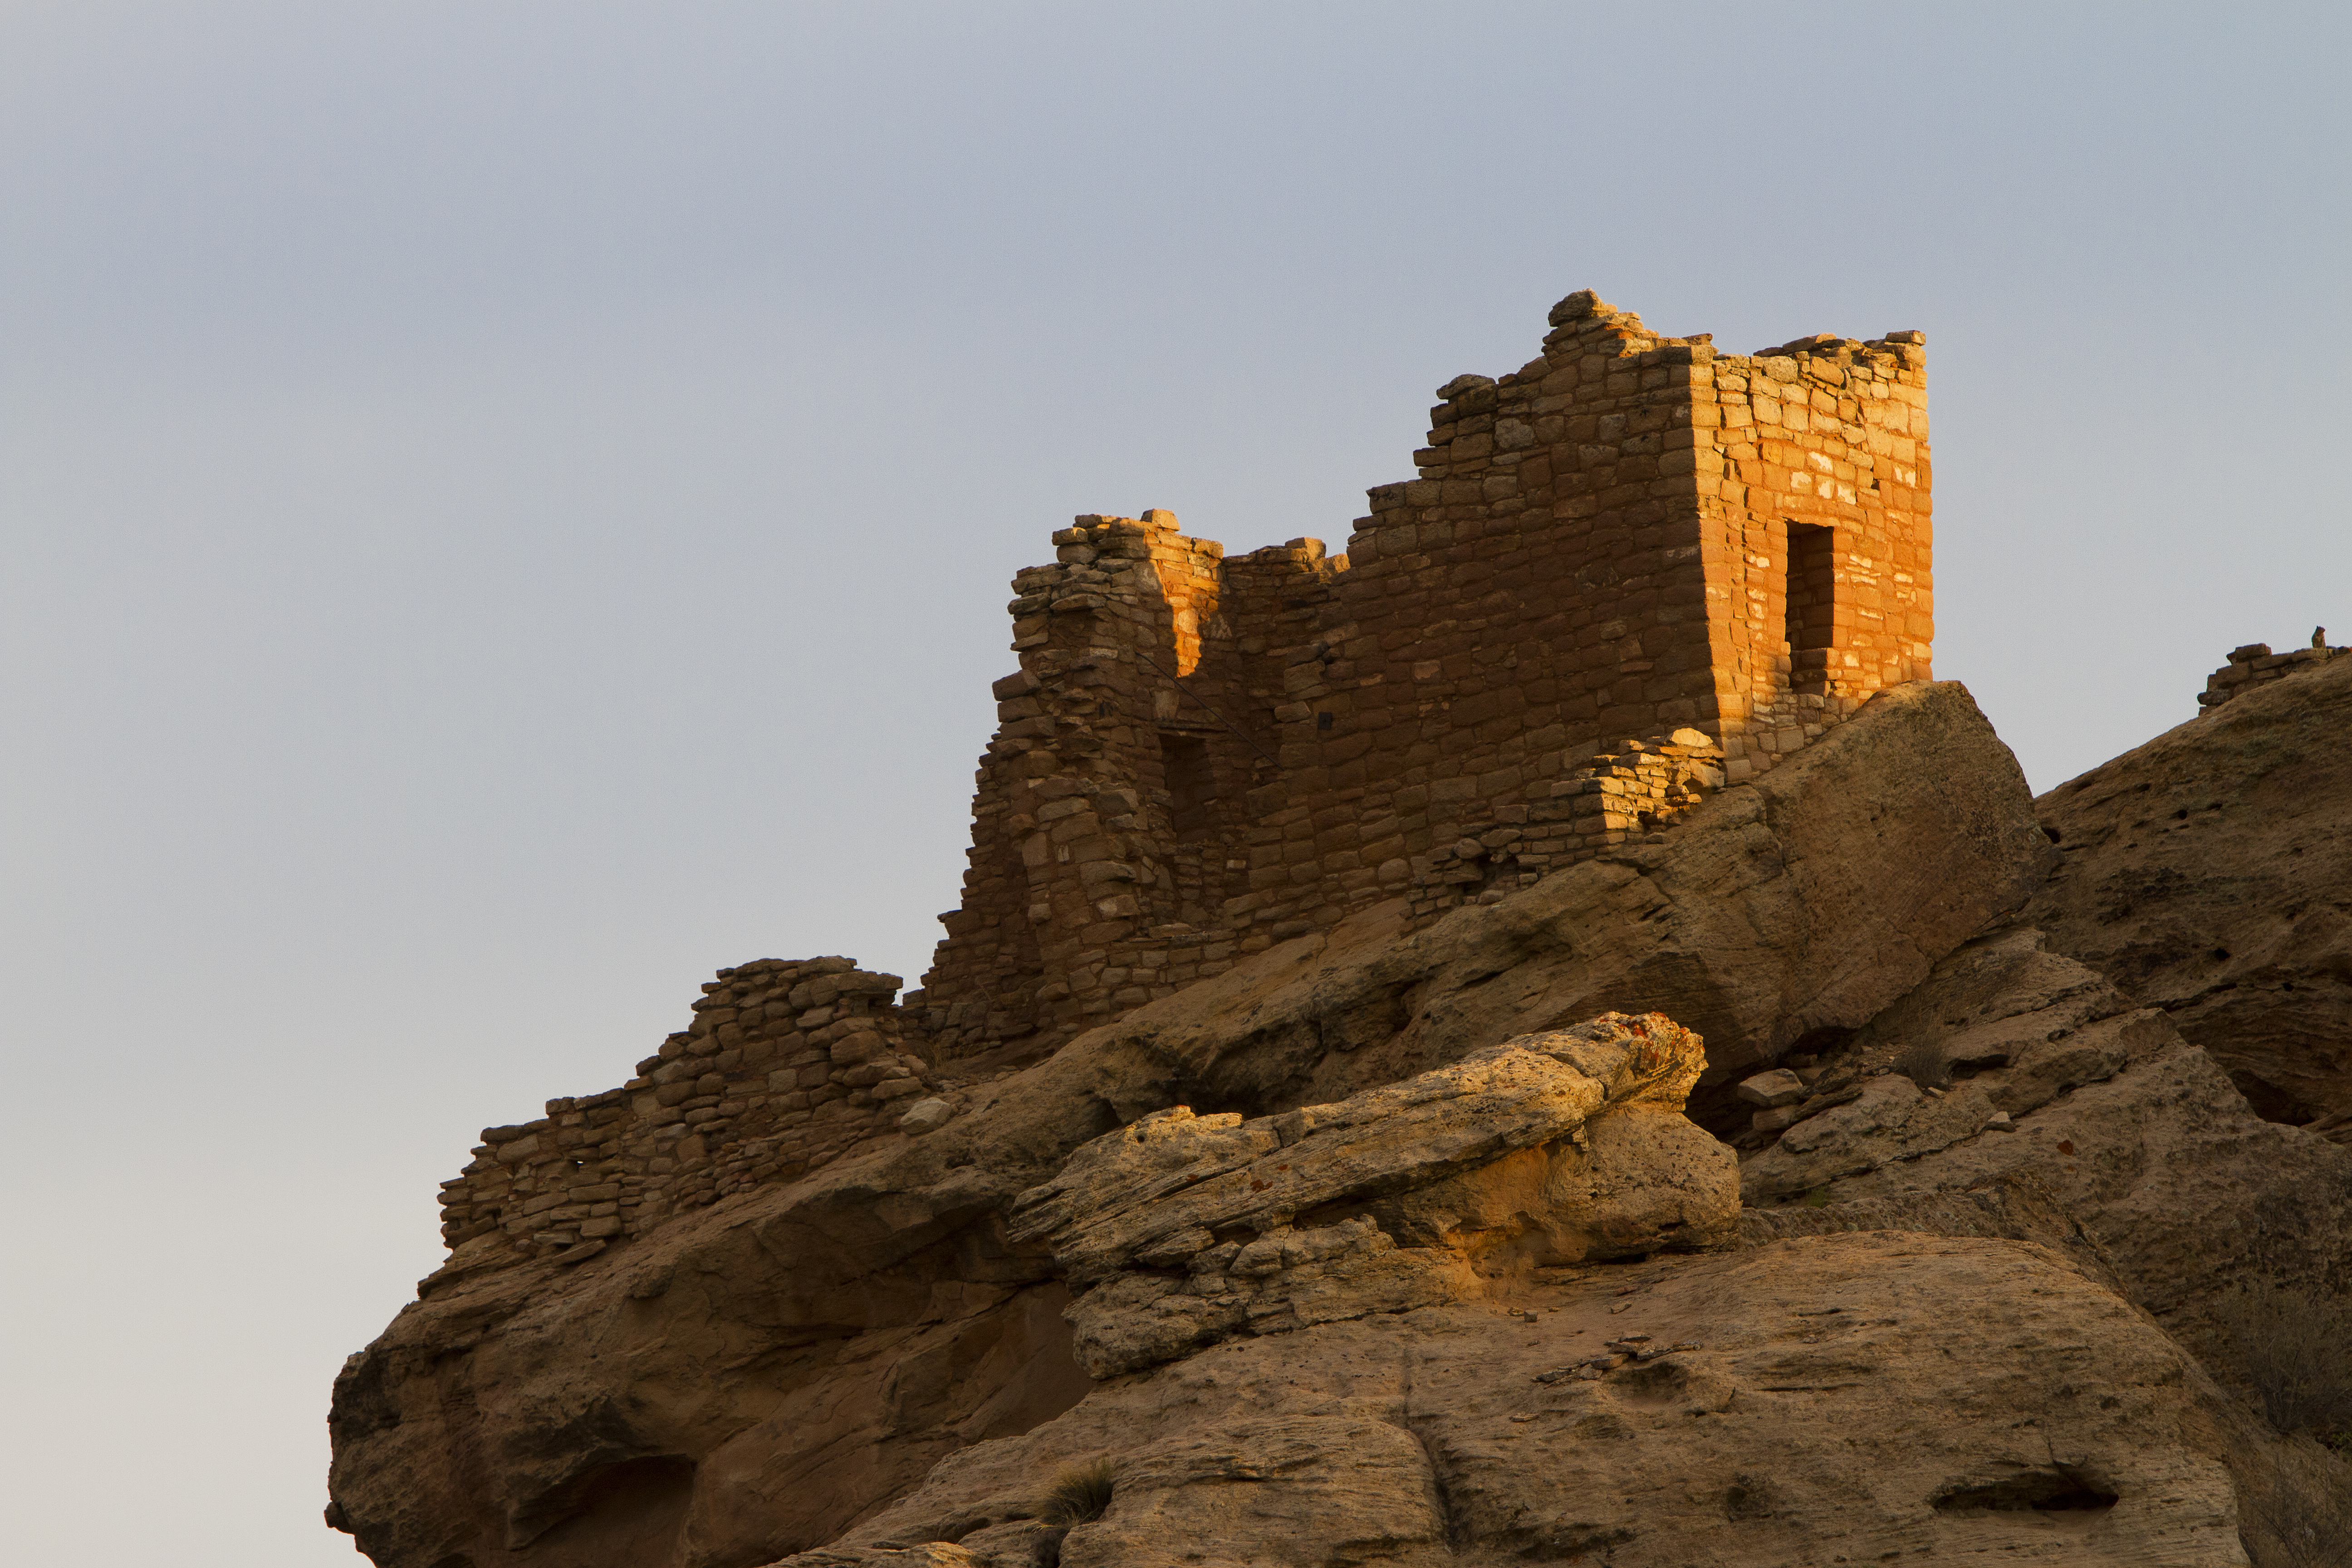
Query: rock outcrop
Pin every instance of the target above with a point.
(2028, 1075)
(1400, 1247)
(1185, 1229)
(2209, 873)
(1856, 1397)
(750, 1379)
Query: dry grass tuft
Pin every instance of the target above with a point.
(1080, 1492)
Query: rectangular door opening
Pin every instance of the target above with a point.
(1192, 785)
(1811, 615)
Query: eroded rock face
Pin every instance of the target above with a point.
(1805, 902)
(2002, 1028)
(751, 1379)
(1863, 1396)
(2125, 1134)
(2209, 873)
(1186, 1229)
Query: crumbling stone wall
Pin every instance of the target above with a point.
(785, 1067)
(1633, 792)
(1630, 547)
(1134, 741)
(2255, 665)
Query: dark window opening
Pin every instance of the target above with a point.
(1191, 784)
(1811, 615)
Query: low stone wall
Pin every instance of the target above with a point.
(2255, 665)
(1618, 796)
(786, 1066)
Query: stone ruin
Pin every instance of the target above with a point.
(1630, 572)
(2255, 665)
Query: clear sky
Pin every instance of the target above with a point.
(507, 508)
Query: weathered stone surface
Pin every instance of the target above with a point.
(1155, 1190)
(2209, 873)
(930, 1554)
(1864, 1397)
(2134, 1137)
(877, 1316)
(1293, 1489)
(1282, 1281)
(1771, 1089)
(1192, 1228)
(740, 1385)
(1808, 901)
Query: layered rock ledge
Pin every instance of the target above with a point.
(1186, 1229)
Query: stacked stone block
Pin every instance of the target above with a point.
(785, 1067)
(2255, 665)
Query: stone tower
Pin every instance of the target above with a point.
(1629, 572)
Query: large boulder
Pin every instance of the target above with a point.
(2209, 873)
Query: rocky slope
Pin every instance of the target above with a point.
(2209, 873)
(1847, 1398)
(2084, 1121)
(1386, 1248)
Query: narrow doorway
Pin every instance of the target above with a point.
(1191, 783)
(1811, 613)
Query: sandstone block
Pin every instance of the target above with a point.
(1772, 1090)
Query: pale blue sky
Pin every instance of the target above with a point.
(507, 508)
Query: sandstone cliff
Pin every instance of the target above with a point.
(1400, 1247)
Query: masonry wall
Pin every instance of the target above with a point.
(785, 1067)
(1110, 804)
(1586, 596)
(1832, 435)
(1626, 573)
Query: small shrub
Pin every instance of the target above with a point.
(2296, 1350)
(1925, 1066)
(1080, 1493)
(2301, 1519)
